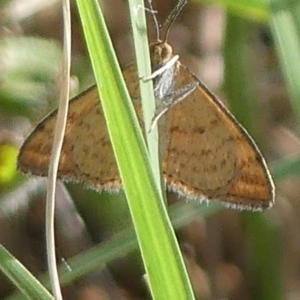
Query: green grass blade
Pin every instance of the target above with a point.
(166, 273)
(285, 25)
(140, 38)
(254, 9)
(264, 236)
(21, 277)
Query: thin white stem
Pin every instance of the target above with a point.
(55, 153)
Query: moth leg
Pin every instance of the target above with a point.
(162, 69)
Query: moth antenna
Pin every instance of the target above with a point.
(154, 19)
(172, 17)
